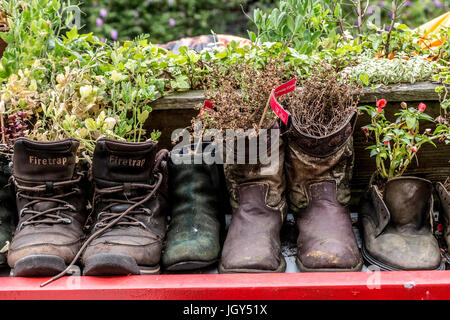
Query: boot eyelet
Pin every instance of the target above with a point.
(143, 225)
(71, 207)
(22, 212)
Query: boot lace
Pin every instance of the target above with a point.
(111, 219)
(53, 215)
(105, 216)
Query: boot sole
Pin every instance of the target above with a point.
(281, 268)
(189, 265)
(38, 266)
(302, 268)
(105, 264)
(385, 267)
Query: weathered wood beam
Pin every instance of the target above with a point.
(420, 91)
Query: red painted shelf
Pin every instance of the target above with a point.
(355, 285)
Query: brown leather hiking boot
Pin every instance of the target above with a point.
(259, 207)
(318, 171)
(397, 230)
(444, 213)
(129, 208)
(51, 204)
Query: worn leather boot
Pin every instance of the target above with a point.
(397, 231)
(8, 210)
(51, 202)
(444, 213)
(257, 195)
(319, 170)
(199, 204)
(129, 209)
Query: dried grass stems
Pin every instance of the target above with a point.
(239, 95)
(323, 104)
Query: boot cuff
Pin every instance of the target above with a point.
(325, 146)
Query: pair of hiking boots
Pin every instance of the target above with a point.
(312, 179)
(123, 233)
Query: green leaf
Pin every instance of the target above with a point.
(90, 124)
(411, 122)
(142, 117)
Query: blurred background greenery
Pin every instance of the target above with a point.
(167, 20)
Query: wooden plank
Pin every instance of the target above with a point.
(420, 91)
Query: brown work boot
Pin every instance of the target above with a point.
(51, 202)
(130, 205)
(443, 192)
(259, 208)
(397, 230)
(319, 170)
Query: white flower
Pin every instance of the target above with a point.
(85, 91)
(110, 123)
(116, 76)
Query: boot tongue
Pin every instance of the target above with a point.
(44, 161)
(118, 162)
(407, 199)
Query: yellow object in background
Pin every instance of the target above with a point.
(433, 28)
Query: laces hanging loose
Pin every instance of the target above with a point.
(109, 219)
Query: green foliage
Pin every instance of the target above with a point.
(397, 143)
(300, 24)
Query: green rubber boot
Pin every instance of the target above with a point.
(8, 214)
(199, 202)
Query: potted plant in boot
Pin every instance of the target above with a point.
(239, 97)
(319, 164)
(397, 210)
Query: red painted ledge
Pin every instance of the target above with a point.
(355, 285)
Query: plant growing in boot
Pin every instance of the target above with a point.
(397, 143)
(239, 96)
(319, 164)
(396, 212)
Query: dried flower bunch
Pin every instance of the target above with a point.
(239, 95)
(324, 102)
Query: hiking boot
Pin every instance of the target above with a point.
(51, 203)
(319, 170)
(199, 204)
(444, 213)
(259, 208)
(397, 230)
(129, 209)
(8, 210)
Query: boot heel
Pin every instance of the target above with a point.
(105, 264)
(38, 266)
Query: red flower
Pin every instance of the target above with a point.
(381, 104)
(386, 142)
(404, 105)
(414, 149)
(422, 107)
(440, 227)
